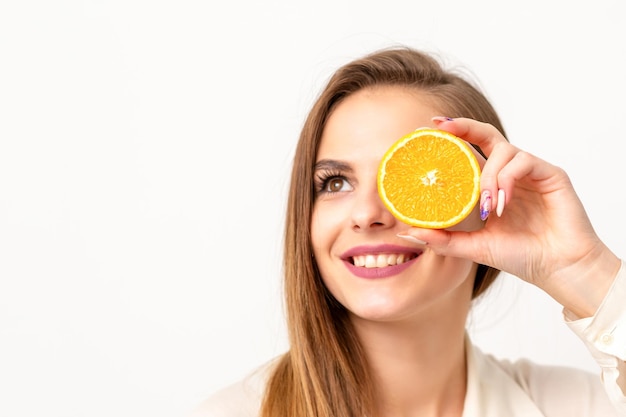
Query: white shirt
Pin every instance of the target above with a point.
(499, 388)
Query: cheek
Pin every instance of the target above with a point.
(325, 226)
(444, 274)
(321, 241)
(467, 268)
(463, 271)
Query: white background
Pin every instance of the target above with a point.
(144, 156)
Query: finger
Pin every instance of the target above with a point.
(493, 194)
(448, 243)
(527, 166)
(483, 135)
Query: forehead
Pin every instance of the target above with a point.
(371, 120)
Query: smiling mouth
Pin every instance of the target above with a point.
(382, 260)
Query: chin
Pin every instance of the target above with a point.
(380, 311)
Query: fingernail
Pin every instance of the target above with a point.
(500, 205)
(412, 239)
(485, 205)
(439, 119)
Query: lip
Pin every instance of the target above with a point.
(373, 273)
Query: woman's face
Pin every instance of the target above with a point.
(368, 269)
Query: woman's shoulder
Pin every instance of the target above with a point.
(241, 399)
(558, 390)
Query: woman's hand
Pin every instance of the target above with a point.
(537, 228)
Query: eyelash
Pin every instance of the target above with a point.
(322, 179)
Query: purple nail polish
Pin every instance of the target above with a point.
(439, 119)
(485, 205)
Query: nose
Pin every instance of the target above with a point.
(369, 212)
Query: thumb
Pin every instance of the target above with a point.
(442, 242)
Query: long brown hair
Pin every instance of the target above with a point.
(325, 373)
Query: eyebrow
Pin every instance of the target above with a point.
(332, 164)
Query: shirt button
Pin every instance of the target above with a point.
(606, 339)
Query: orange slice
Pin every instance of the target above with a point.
(430, 179)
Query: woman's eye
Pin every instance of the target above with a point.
(337, 184)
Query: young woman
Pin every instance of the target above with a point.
(376, 310)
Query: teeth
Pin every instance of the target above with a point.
(382, 260)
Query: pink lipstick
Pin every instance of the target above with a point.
(379, 261)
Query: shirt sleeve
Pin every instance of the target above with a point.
(604, 334)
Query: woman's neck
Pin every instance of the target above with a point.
(418, 366)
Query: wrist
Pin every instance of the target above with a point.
(582, 287)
